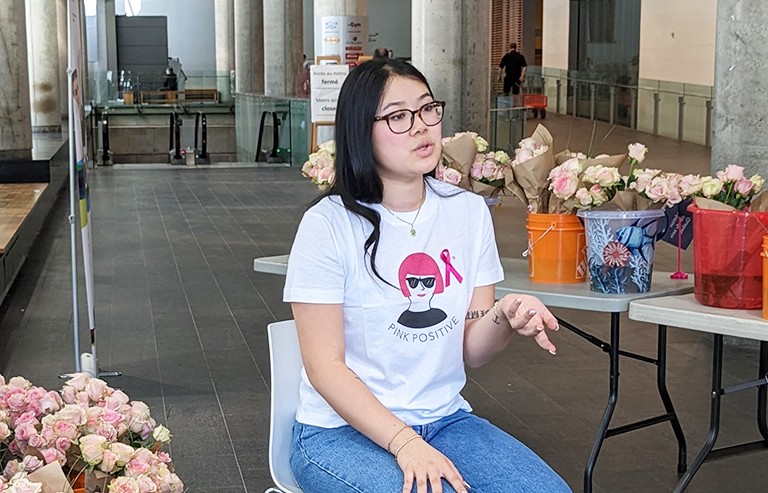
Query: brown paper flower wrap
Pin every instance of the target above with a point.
(459, 154)
(532, 175)
(52, 478)
(629, 200)
(468, 163)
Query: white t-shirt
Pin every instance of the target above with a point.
(404, 342)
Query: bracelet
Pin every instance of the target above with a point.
(393, 437)
(409, 439)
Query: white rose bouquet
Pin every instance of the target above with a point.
(321, 165)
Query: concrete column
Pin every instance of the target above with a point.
(15, 126)
(741, 88)
(451, 46)
(104, 77)
(224, 15)
(283, 45)
(249, 46)
(43, 60)
(63, 43)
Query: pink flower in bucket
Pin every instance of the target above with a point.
(615, 254)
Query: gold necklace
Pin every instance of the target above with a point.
(409, 223)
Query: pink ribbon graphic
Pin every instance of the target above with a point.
(445, 256)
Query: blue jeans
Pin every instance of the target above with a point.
(343, 460)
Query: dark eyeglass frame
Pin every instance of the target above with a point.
(434, 104)
(428, 282)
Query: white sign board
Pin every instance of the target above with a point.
(342, 35)
(325, 82)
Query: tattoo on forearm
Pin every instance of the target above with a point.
(496, 318)
(475, 314)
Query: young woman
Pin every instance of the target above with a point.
(390, 280)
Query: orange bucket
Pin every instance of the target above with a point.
(557, 248)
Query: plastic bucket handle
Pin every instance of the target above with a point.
(528, 250)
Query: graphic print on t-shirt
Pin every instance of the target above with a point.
(420, 280)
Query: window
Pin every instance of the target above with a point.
(602, 18)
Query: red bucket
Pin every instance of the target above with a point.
(728, 270)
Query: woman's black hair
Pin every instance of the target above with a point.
(357, 177)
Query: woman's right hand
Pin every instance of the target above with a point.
(423, 464)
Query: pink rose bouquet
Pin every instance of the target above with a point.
(582, 183)
(467, 162)
(729, 189)
(88, 429)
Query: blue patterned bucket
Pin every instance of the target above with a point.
(620, 247)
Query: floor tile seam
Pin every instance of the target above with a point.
(242, 228)
(229, 308)
(205, 357)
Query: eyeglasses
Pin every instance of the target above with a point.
(427, 282)
(401, 121)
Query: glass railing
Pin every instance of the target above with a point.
(670, 109)
(272, 130)
(147, 88)
(507, 120)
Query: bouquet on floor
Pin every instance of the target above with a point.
(88, 435)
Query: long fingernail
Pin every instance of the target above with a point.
(519, 300)
(539, 328)
(531, 312)
(557, 327)
(553, 353)
(467, 485)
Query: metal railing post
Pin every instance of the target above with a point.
(708, 124)
(680, 116)
(575, 85)
(592, 91)
(559, 86)
(106, 154)
(494, 121)
(656, 98)
(612, 104)
(633, 108)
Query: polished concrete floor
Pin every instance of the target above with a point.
(181, 313)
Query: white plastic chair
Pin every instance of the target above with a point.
(285, 364)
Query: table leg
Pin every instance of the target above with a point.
(762, 391)
(714, 417)
(661, 383)
(613, 395)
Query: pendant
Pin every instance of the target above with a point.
(413, 231)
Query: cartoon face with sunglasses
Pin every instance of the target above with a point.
(420, 280)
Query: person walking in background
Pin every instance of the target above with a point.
(391, 282)
(171, 80)
(513, 64)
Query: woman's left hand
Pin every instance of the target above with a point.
(528, 316)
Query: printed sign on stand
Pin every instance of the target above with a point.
(325, 82)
